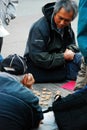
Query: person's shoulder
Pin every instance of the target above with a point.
(10, 85)
(41, 21)
(41, 24)
(7, 76)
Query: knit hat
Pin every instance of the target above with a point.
(14, 64)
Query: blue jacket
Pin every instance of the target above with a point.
(19, 107)
(82, 28)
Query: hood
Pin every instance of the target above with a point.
(48, 10)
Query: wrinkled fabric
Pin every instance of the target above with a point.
(16, 102)
(82, 76)
(82, 28)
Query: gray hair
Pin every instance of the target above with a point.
(68, 5)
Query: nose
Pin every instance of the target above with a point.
(62, 22)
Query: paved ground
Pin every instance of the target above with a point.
(28, 11)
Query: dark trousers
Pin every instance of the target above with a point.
(1, 42)
(69, 71)
(73, 67)
(46, 75)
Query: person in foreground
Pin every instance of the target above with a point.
(19, 107)
(51, 51)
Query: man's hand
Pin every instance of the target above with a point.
(28, 80)
(68, 54)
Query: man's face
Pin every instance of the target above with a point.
(63, 18)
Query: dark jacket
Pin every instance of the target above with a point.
(19, 107)
(71, 111)
(46, 45)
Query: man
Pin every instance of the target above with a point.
(19, 107)
(51, 51)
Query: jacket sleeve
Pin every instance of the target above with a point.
(82, 27)
(39, 52)
(73, 47)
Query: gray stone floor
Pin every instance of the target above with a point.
(47, 96)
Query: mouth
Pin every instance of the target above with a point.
(60, 26)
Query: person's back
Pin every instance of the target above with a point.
(13, 117)
(19, 107)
